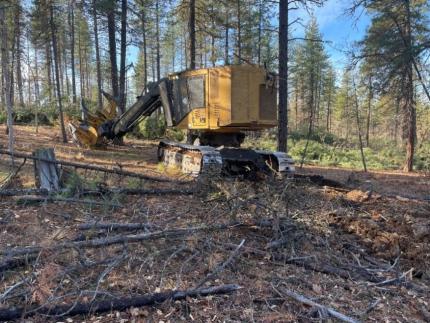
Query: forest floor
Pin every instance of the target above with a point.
(363, 250)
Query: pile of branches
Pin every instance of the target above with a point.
(105, 266)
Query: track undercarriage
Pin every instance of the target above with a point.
(196, 160)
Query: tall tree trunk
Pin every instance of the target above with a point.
(396, 122)
(157, 36)
(81, 67)
(71, 19)
(296, 105)
(145, 47)
(87, 70)
(7, 82)
(328, 121)
(18, 52)
(213, 49)
(65, 67)
(260, 27)
(30, 72)
(283, 76)
(369, 110)
(57, 73)
(192, 30)
(98, 69)
(227, 35)
(239, 33)
(3, 94)
(112, 50)
(36, 90)
(357, 119)
(123, 55)
(48, 70)
(408, 104)
(192, 27)
(60, 63)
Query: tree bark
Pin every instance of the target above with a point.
(71, 19)
(96, 40)
(145, 47)
(112, 50)
(192, 27)
(57, 74)
(48, 70)
(239, 33)
(357, 116)
(18, 53)
(7, 82)
(408, 94)
(81, 67)
(123, 55)
(283, 76)
(65, 66)
(227, 35)
(369, 111)
(157, 36)
(36, 90)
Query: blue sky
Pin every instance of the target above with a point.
(337, 28)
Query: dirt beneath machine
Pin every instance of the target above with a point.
(362, 250)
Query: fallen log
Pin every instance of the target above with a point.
(118, 239)
(355, 273)
(20, 192)
(8, 180)
(116, 304)
(13, 263)
(116, 226)
(51, 199)
(91, 167)
(136, 191)
(124, 191)
(319, 180)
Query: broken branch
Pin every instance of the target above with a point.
(307, 301)
(116, 304)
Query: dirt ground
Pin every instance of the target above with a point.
(362, 251)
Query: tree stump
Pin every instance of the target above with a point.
(45, 173)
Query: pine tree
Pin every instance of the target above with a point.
(393, 46)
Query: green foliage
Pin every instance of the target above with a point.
(328, 150)
(422, 157)
(3, 116)
(73, 184)
(150, 128)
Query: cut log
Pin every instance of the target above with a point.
(116, 304)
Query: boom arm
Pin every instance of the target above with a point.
(145, 105)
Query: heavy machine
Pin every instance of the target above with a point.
(217, 104)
